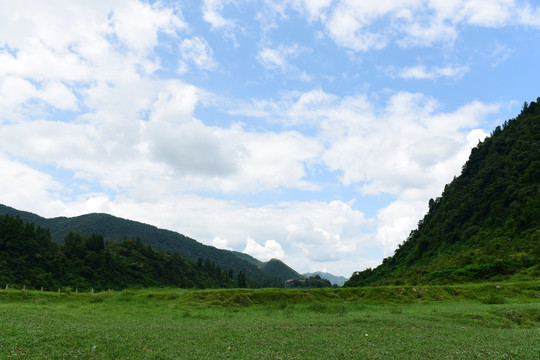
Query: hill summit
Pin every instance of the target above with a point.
(486, 224)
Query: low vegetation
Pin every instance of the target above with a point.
(371, 323)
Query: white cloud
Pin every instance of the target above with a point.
(198, 52)
(500, 54)
(421, 72)
(49, 141)
(366, 25)
(315, 9)
(388, 165)
(271, 160)
(14, 91)
(58, 95)
(272, 59)
(221, 243)
(170, 150)
(529, 16)
(211, 13)
(278, 59)
(271, 249)
(493, 13)
(347, 26)
(103, 50)
(137, 24)
(410, 150)
(23, 187)
(192, 148)
(396, 221)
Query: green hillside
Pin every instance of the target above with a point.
(486, 224)
(30, 259)
(117, 229)
(279, 269)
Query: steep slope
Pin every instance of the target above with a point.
(117, 229)
(486, 224)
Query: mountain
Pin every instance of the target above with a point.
(117, 229)
(486, 224)
(30, 259)
(277, 268)
(334, 279)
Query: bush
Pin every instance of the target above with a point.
(493, 299)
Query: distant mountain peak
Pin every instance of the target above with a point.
(334, 279)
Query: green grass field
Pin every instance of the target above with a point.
(483, 321)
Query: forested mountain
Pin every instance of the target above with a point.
(334, 279)
(312, 282)
(279, 269)
(117, 229)
(486, 224)
(29, 258)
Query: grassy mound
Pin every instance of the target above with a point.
(487, 293)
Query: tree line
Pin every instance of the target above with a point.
(29, 258)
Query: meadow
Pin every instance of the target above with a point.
(482, 321)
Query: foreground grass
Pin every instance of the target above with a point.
(272, 324)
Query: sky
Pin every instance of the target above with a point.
(312, 131)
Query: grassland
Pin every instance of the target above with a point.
(484, 321)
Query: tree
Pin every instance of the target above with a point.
(242, 281)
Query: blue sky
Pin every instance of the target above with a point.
(310, 131)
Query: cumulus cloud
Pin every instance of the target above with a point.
(410, 150)
(69, 140)
(395, 222)
(488, 13)
(15, 91)
(221, 243)
(23, 187)
(107, 47)
(271, 250)
(272, 160)
(137, 24)
(357, 24)
(407, 123)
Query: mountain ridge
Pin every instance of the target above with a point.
(114, 228)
